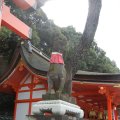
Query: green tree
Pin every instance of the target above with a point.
(79, 49)
(95, 58)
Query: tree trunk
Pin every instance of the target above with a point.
(88, 34)
(85, 41)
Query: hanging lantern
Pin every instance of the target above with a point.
(102, 90)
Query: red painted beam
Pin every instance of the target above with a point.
(84, 93)
(26, 4)
(14, 24)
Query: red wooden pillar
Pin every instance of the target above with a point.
(109, 105)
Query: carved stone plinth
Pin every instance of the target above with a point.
(52, 117)
(57, 107)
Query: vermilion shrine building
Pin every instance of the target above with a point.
(26, 76)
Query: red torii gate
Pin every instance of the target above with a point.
(26, 4)
(13, 23)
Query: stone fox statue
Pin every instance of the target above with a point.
(56, 73)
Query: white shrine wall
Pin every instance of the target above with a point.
(28, 94)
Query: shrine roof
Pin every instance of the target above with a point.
(85, 76)
(80, 72)
(38, 63)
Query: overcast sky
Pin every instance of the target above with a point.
(74, 12)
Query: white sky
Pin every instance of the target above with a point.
(74, 12)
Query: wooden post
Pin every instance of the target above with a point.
(116, 114)
(109, 105)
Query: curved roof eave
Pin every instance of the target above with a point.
(35, 61)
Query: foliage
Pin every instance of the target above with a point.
(48, 37)
(4, 35)
(95, 58)
(7, 106)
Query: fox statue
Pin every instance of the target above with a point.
(57, 77)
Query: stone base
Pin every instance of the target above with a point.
(51, 117)
(57, 107)
(59, 96)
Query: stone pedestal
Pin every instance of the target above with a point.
(57, 108)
